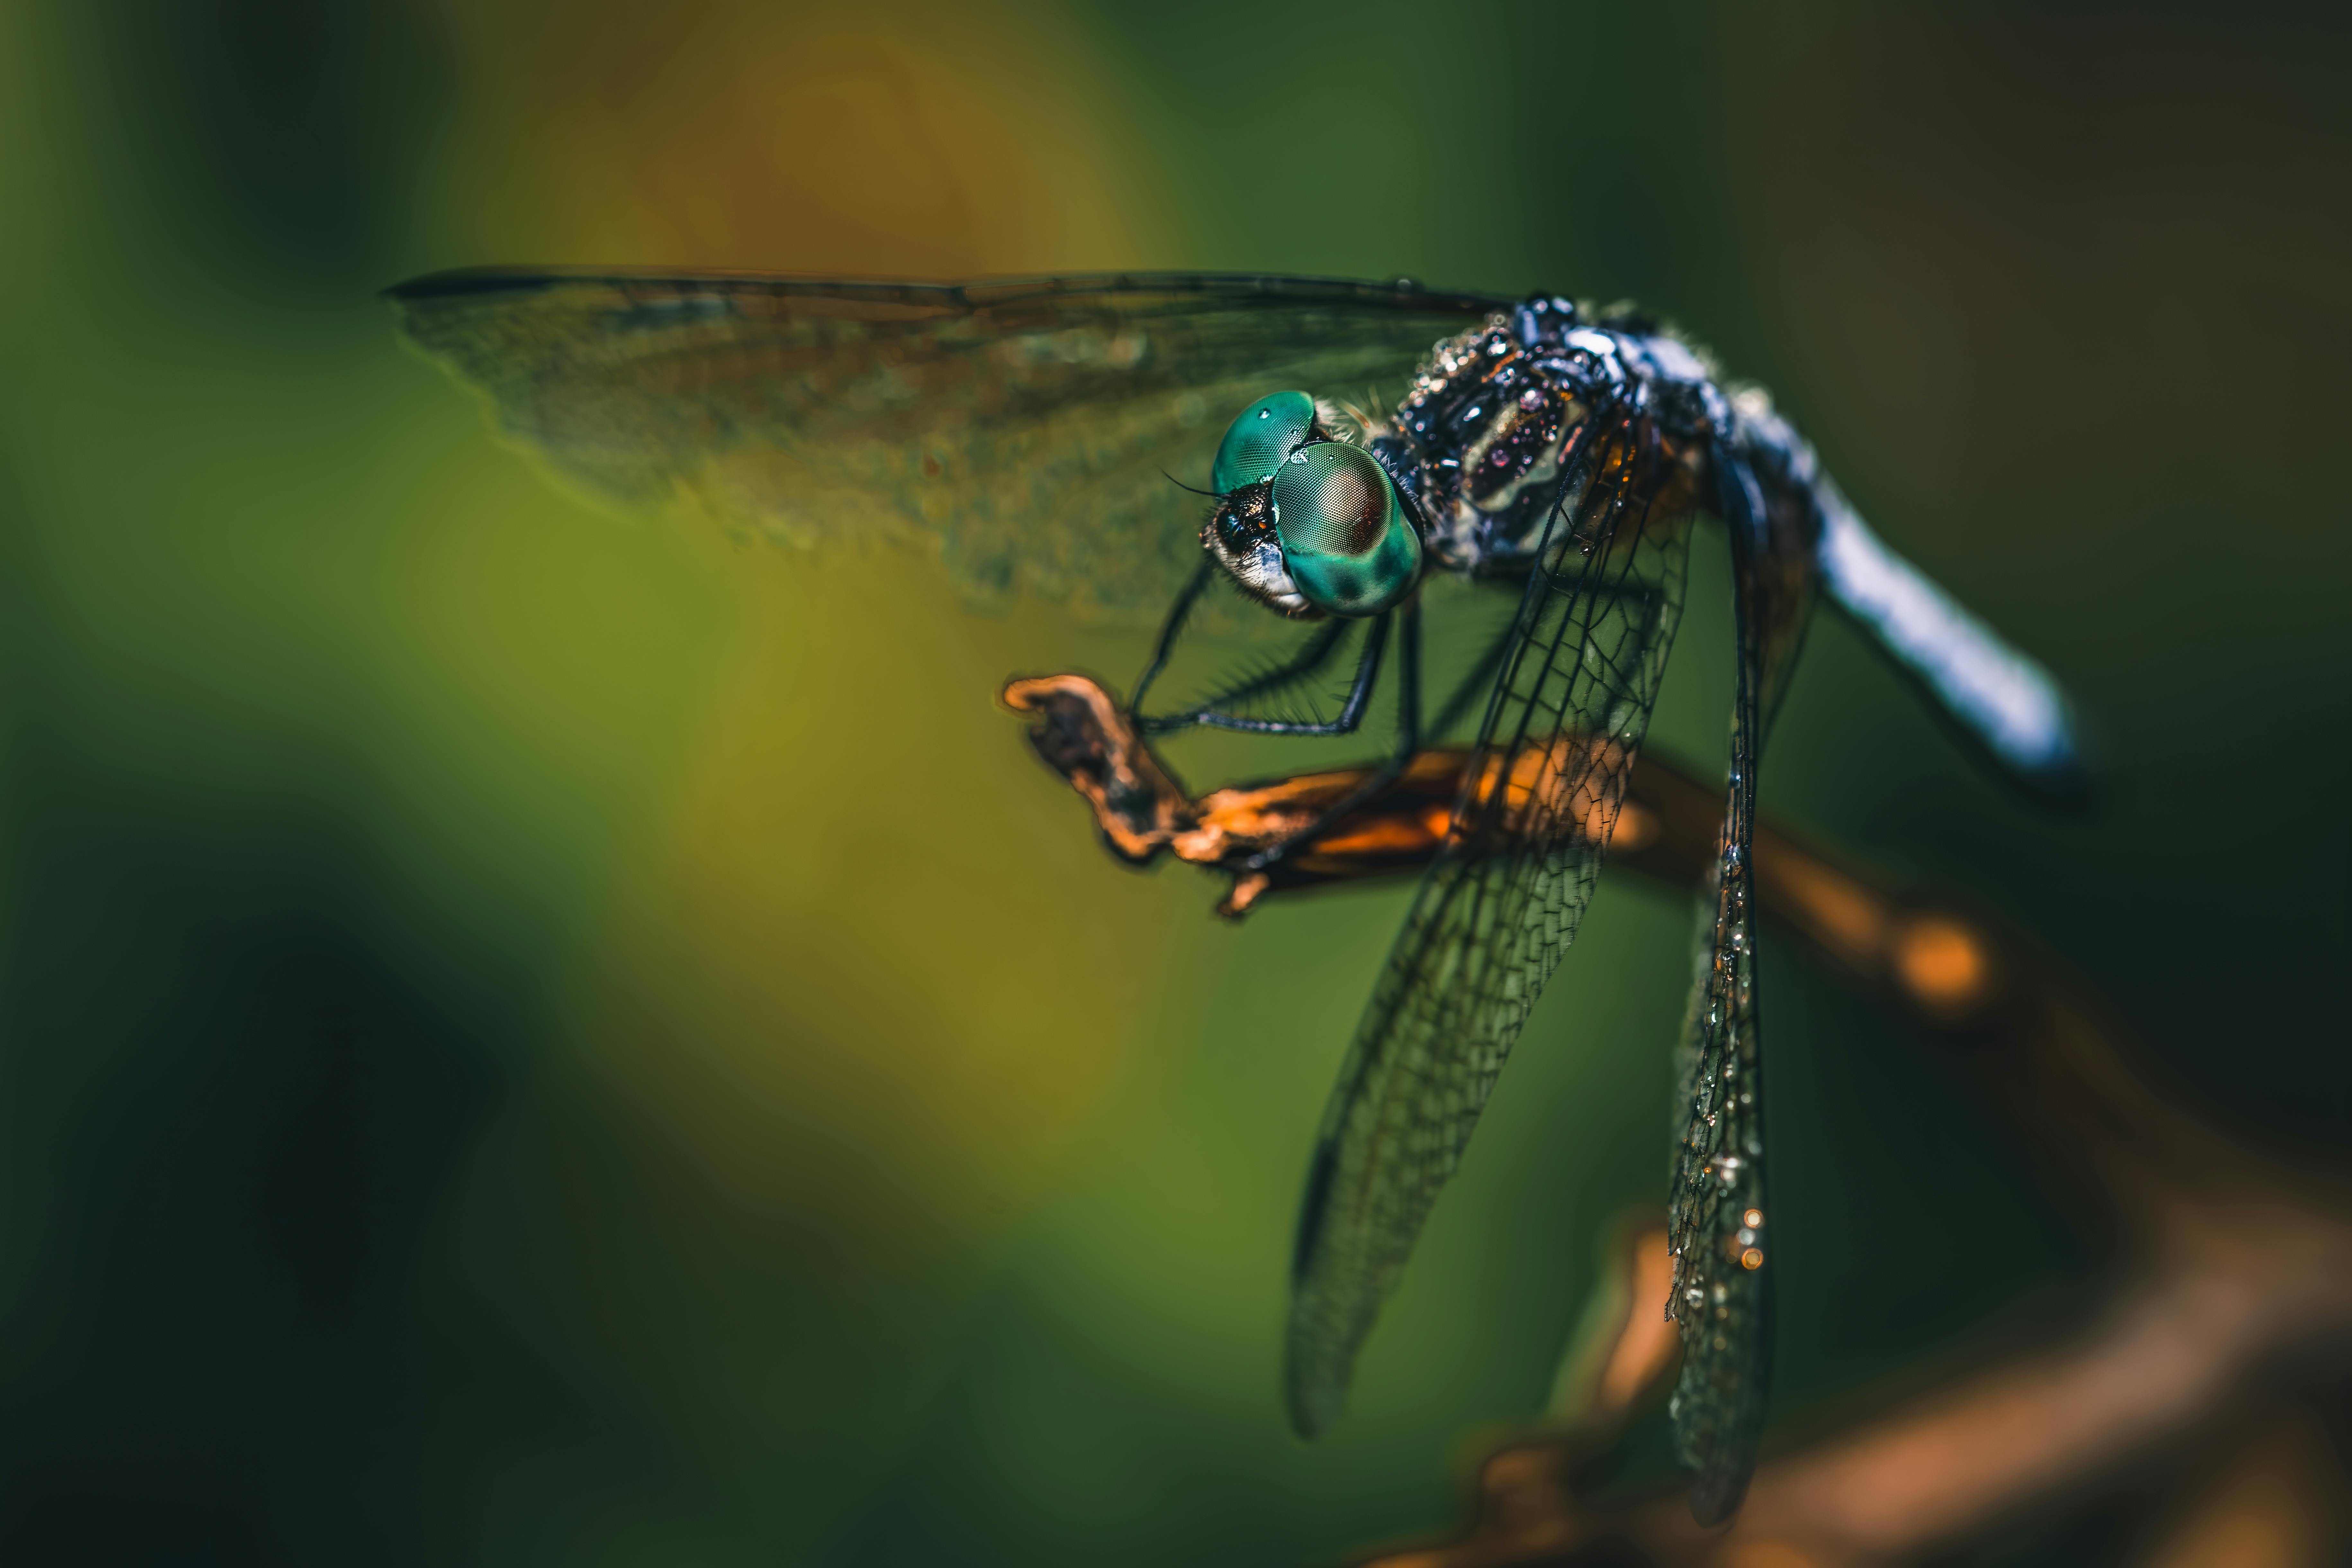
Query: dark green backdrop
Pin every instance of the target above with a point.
(526, 1036)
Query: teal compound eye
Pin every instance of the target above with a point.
(1344, 535)
(1257, 441)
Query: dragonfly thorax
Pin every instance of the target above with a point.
(1492, 417)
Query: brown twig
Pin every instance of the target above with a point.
(2233, 1275)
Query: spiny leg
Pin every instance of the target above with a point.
(1302, 666)
(1351, 712)
(1408, 744)
(1305, 664)
(1176, 615)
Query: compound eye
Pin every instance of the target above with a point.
(1256, 443)
(1345, 538)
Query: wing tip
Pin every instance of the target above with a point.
(1317, 1366)
(1716, 1495)
(1311, 1397)
(1316, 1369)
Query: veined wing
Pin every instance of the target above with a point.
(1496, 909)
(1722, 1291)
(1020, 426)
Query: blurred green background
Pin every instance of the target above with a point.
(526, 1036)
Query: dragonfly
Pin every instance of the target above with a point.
(1557, 458)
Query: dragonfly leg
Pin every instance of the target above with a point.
(1176, 615)
(1408, 744)
(1313, 657)
(1351, 713)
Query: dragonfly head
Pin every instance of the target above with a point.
(1305, 522)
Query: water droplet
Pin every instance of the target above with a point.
(1752, 1218)
(1751, 1258)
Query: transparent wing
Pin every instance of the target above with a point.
(1496, 909)
(1022, 427)
(1722, 1291)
